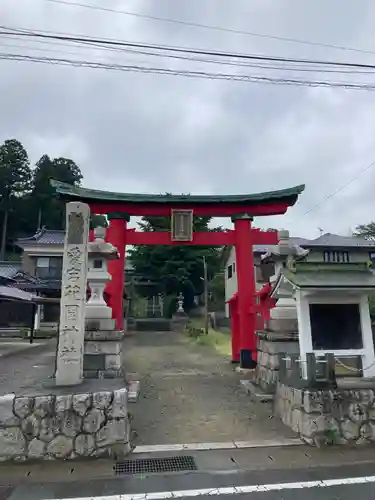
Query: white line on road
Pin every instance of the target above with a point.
(232, 490)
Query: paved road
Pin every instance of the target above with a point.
(320, 475)
(191, 394)
(26, 370)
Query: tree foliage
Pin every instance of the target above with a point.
(175, 269)
(15, 182)
(27, 200)
(365, 229)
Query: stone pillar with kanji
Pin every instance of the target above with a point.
(69, 362)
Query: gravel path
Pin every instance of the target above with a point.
(190, 394)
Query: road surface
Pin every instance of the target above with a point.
(286, 473)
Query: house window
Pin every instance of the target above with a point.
(234, 267)
(230, 272)
(49, 267)
(334, 256)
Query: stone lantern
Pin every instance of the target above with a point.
(103, 344)
(99, 253)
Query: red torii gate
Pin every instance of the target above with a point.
(241, 208)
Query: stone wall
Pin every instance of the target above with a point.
(267, 370)
(64, 426)
(339, 416)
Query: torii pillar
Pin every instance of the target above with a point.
(116, 234)
(245, 238)
(246, 289)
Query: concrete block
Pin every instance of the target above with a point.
(102, 347)
(94, 362)
(113, 362)
(281, 347)
(104, 335)
(100, 324)
(282, 325)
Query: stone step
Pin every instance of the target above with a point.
(152, 324)
(255, 392)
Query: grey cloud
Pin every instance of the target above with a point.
(137, 132)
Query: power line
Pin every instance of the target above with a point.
(341, 188)
(181, 57)
(173, 49)
(210, 26)
(188, 73)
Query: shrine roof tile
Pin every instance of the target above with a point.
(43, 237)
(9, 269)
(330, 240)
(70, 192)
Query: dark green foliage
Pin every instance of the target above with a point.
(27, 200)
(175, 268)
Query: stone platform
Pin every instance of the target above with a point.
(65, 424)
(345, 415)
(40, 421)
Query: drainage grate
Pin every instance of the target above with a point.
(155, 465)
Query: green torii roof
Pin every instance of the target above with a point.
(69, 192)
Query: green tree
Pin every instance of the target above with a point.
(175, 268)
(15, 183)
(48, 210)
(365, 230)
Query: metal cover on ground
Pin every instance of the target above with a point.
(155, 465)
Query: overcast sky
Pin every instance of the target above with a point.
(154, 133)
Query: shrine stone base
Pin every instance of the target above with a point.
(322, 417)
(65, 426)
(270, 345)
(103, 350)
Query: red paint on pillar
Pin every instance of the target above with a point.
(116, 234)
(246, 285)
(234, 324)
(91, 235)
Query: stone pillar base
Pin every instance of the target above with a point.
(270, 345)
(103, 353)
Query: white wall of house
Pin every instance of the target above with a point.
(230, 279)
(231, 286)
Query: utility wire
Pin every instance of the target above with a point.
(209, 26)
(117, 43)
(187, 73)
(341, 188)
(266, 66)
